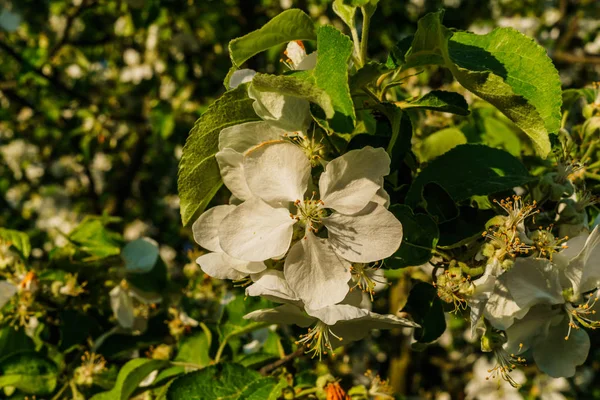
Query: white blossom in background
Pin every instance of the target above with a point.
(131, 307)
(482, 387)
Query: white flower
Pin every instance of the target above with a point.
(218, 264)
(332, 325)
(551, 296)
(358, 229)
(481, 387)
(7, 291)
(551, 388)
(130, 306)
(297, 58)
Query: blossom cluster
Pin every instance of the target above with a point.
(300, 229)
(537, 290)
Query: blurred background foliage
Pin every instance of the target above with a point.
(97, 98)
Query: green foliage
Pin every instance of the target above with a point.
(18, 240)
(130, 376)
(29, 372)
(231, 381)
(331, 75)
(420, 236)
(199, 177)
(493, 67)
(469, 170)
(290, 25)
(439, 100)
(440, 142)
(93, 238)
(426, 308)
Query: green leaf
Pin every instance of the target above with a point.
(571, 96)
(346, 12)
(439, 100)
(498, 134)
(420, 235)
(290, 25)
(425, 307)
(331, 75)
(440, 142)
(367, 74)
(29, 372)
(468, 226)
(13, 341)
(93, 238)
(503, 67)
(224, 381)
(18, 240)
(469, 170)
(140, 255)
(301, 84)
(438, 203)
(195, 349)
(130, 376)
(199, 176)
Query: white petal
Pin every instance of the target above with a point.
(244, 136)
(284, 314)
(295, 51)
(370, 235)
(241, 76)
(584, 270)
(352, 180)
(501, 309)
(277, 172)
(309, 62)
(7, 290)
(272, 285)
(222, 266)
(381, 197)
(291, 114)
(558, 357)
(206, 227)
(255, 231)
(533, 281)
(140, 255)
(232, 171)
(315, 273)
(523, 332)
(353, 323)
(122, 306)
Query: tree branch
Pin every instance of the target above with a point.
(270, 367)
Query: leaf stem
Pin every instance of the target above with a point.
(356, 40)
(364, 40)
(307, 392)
(246, 329)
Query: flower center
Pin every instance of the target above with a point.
(318, 340)
(454, 288)
(310, 212)
(546, 244)
(505, 364)
(517, 210)
(365, 278)
(583, 314)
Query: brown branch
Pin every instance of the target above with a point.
(38, 71)
(561, 56)
(270, 367)
(69, 24)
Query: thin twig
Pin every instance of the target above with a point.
(270, 367)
